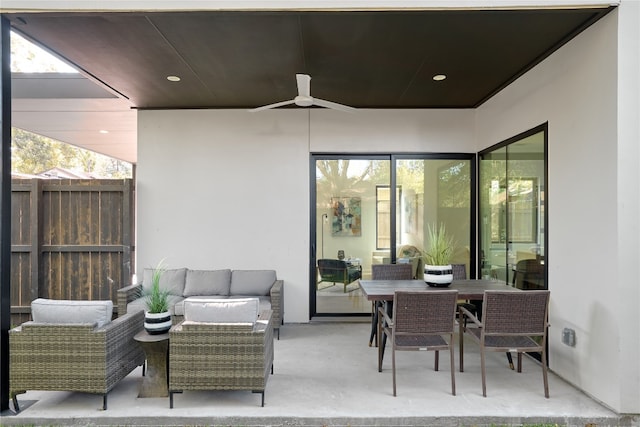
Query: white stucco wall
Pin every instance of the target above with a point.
(590, 215)
(230, 189)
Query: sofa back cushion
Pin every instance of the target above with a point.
(237, 310)
(68, 311)
(252, 282)
(170, 280)
(207, 282)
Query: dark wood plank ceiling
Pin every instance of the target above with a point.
(366, 59)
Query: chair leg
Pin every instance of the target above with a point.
(453, 369)
(519, 362)
(393, 369)
(380, 332)
(16, 407)
(374, 324)
(437, 361)
(461, 342)
(482, 368)
(545, 380)
(510, 360)
(104, 402)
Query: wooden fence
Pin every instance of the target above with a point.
(70, 239)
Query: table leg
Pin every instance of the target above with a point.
(155, 383)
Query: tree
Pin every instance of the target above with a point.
(33, 154)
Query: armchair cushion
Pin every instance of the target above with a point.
(252, 282)
(68, 311)
(240, 310)
(171, 280)
(207, 282)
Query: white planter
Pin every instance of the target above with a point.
(438, 275)
(157, 323)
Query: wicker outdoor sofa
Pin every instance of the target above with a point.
(183, 284)
(221, 345)
(73, 346)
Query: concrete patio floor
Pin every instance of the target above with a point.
(326, 375)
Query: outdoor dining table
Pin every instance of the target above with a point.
(384, 290)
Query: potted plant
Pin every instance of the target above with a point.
(157, 319)
(437, 256)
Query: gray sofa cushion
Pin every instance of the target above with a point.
(67, 311)
(207, 282)
(252, 282)
(171, 280)
(237, 310)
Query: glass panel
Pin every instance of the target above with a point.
(493, 214)
(512, 214)
(525, 171)
(434, 192)
(353, 214)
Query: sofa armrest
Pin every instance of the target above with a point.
(126, 295)
(277, 303)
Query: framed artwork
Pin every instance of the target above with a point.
(347, 216)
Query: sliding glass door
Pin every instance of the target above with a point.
(513, 177)
(376, 209)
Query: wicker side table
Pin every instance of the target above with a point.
(156, 348)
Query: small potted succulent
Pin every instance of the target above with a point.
(157, 318)
(437, 256)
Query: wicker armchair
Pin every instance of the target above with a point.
(221, 356)
(73, 357)
(511, 321)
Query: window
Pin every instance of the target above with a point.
(383, 215)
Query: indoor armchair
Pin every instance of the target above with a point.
(338, 271)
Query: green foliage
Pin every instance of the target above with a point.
(440, 246)
(33, 154)
(156, 298)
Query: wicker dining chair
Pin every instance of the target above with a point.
(386, 272)
(511, 321)
(422, 320)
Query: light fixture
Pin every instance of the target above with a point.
(439, 77)
(103, 131)
(173, 78)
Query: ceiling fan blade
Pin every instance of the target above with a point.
(268, 107)
(333, 105)
(304, 84)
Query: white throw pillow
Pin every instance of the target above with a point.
(238, 310)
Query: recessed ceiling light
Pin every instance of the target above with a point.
(173, 78)
(103, 131)
(439, 77)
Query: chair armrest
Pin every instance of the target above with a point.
(126, 295)
(277, 302)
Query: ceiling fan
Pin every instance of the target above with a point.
(304, 98)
